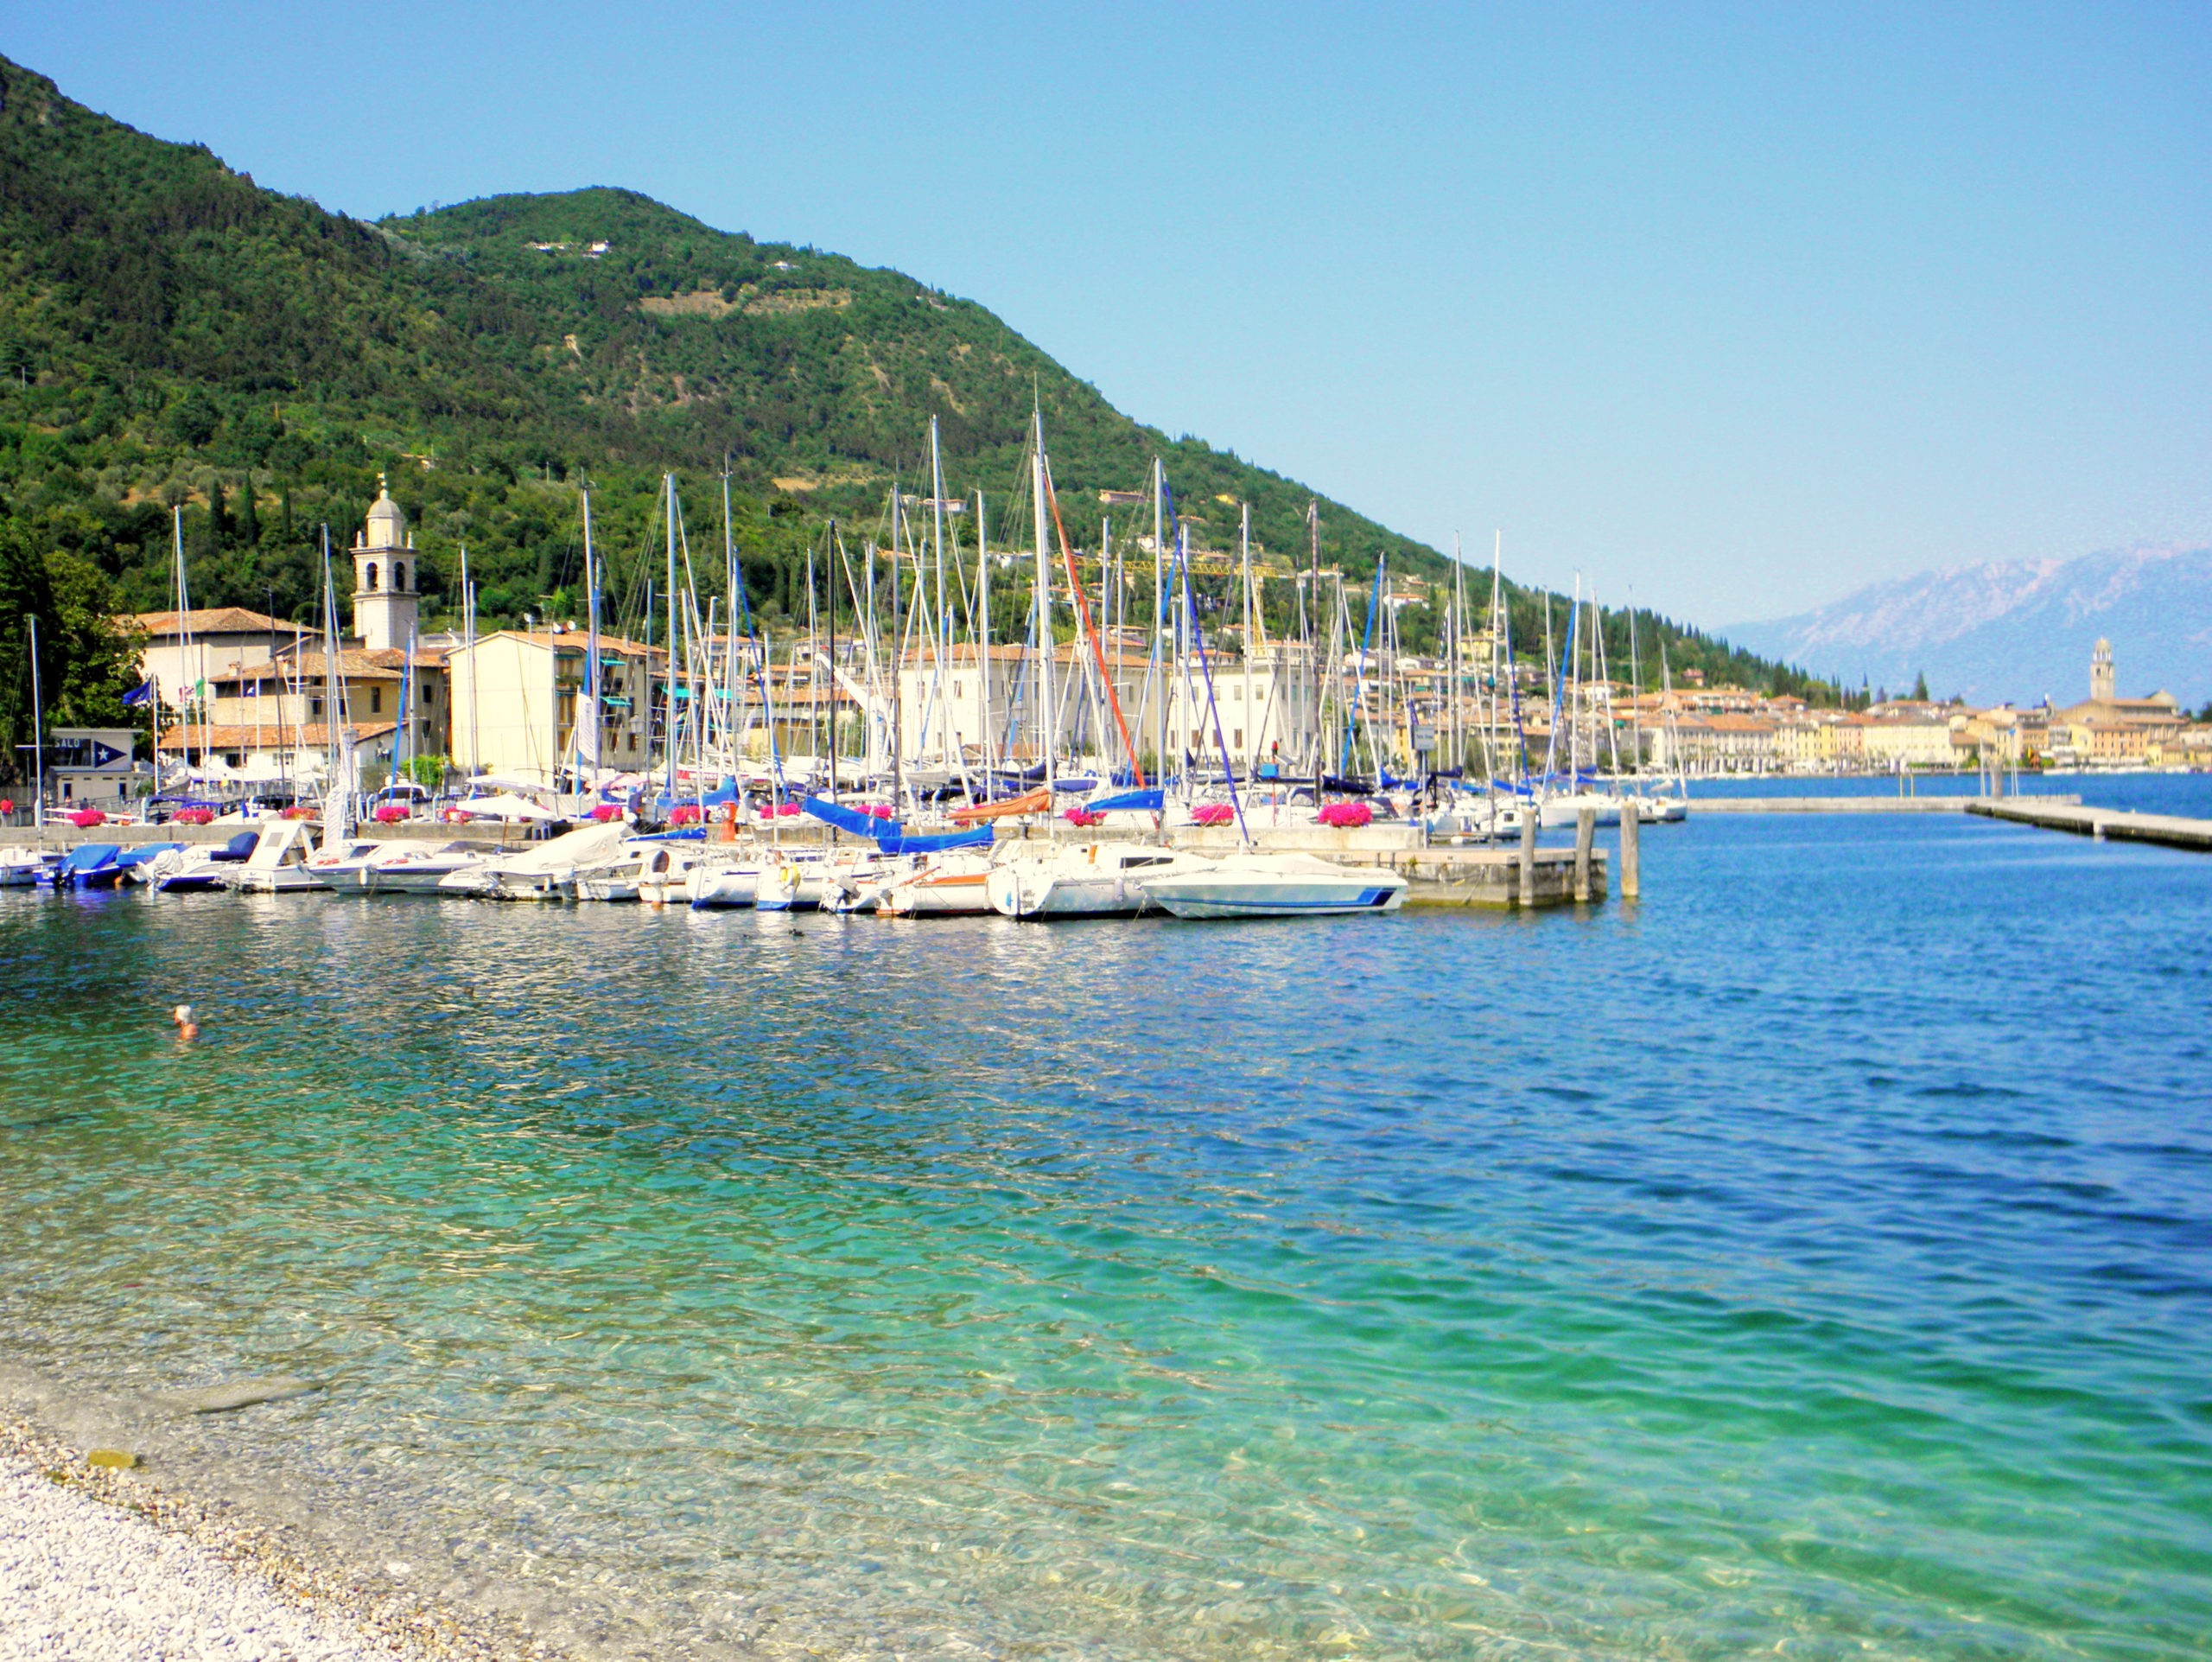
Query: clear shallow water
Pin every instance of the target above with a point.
(1819, 1255)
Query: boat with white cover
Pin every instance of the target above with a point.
(338, 866)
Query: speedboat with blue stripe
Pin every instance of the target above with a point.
(1256, 885)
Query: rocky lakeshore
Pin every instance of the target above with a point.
(97, 1561)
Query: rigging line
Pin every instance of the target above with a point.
(1083, 622)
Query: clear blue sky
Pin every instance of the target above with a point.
(1741, 307)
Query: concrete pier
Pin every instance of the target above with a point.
(1962, 804)
(2115, 824)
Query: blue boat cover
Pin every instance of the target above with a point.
(847, 820)
(1149, 801)
(143, 852)
(896, 842)
(89, 857)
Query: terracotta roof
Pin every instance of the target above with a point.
(576, 638)
(269, 736)
(214, 619)
(353, 664)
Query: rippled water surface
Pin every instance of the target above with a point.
(1816, 1258)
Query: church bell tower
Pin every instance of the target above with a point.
(384, 576)
(2100, 680)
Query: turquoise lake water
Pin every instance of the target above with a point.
(1815, 1258)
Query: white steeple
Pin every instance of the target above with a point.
(384, 576)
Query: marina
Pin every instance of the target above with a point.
(676, 1283)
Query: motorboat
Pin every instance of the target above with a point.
(1100, 880)
(1256, 885)
(337, 865)
(540, 871)
(20, 867)
(278, 864)
(949, 883)
(89, 865)
(140, 864)
(416, 868)
(204, 868)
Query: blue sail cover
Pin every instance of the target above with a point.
(846, 820)
(1151, 801)
(896, 841)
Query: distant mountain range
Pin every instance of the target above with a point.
(2015, 630)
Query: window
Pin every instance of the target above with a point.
(371, 574)
(315, 706)
(398, 576)
(429, 692)
(376, 701)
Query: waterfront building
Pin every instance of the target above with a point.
(516, 697)
(2106, 729)
(264, 704)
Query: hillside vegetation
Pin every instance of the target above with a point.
(172, 336)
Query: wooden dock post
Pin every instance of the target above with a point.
(1632, 855)
(1529, 812)
(1585, 833)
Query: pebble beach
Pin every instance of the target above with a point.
(102, 1564)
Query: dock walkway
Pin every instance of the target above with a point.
(2117, 824)
(1958, 804)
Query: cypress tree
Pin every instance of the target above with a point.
(249, 520)
(216, 527)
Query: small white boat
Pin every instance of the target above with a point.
(542, 871)
(278, 864)
(418, 868)
(19, 868)
(721, 884)
(950, 883)
(789, 884)
(1100, 880)
(339, 866)
(662, 869)
(1276, 886)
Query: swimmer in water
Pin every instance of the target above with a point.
(186, 1029)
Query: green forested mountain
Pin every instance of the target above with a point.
(173, 336)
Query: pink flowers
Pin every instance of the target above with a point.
(783, 810)
(607, 810)
(1345, 815)
(880, 810)
(299, 811)
(1213, 813)
(685, 814)
(1083, 817)
(195, 815)
(390, 813)
(85, 818)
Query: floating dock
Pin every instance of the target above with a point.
(2116, 824)
(1962, 804)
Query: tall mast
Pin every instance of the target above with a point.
(1251, 726)
(669, 479)
(898, 670)
(468, 624)
(831, 596)
(983, 636)
(941, 636)
(38, 731)
(1159, 632)
(1045, 654)
(591, 638)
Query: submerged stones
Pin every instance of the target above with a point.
(239, 1394)
(113, 1460)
